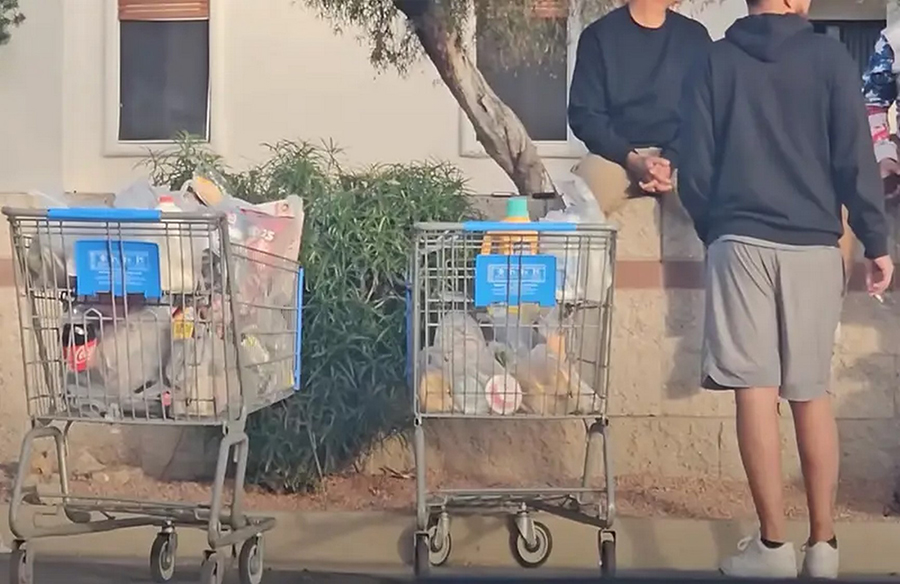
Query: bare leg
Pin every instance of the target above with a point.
(760, 446)
(817, 441)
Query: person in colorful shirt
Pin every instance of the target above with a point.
(880, 86)
(881, 81)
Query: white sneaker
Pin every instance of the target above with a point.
(821, 561)
(755, 560)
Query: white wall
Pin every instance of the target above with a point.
(285, 74)
(31, 98)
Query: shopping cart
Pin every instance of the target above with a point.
(511, 321)
(137, 317)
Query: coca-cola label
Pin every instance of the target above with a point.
(78, 356)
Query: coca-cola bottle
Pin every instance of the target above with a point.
(79, 341)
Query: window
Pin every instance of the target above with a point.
(537, 92)
(160, 70)
(859, 36)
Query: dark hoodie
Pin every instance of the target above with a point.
(775, 139)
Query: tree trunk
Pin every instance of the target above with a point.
(497, 127)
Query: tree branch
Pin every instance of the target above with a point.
(497, 127)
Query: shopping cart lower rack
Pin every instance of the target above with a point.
(511, 321)
(137, 317)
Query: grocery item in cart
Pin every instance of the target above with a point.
(582, 265)
(176, 252)
(552, 384)
(480, 384)
(132, 354)
(79, 344)
(197, 373)
(435, 391)
(512, 242)
(503, 394)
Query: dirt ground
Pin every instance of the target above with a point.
(637, 496)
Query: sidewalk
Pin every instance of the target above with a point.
(372, 540)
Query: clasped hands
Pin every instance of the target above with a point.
(653, 174)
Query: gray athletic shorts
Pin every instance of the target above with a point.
(771, 315)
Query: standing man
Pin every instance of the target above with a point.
(624, 98)
(880, 85)
(774, 142)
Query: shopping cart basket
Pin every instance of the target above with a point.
(511, 321)
(135, 317)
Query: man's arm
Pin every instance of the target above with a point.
(670, 153)
(880, 91)
(853, 167)
(696, 139)
(588, 113)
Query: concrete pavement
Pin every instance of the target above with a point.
(373, 542)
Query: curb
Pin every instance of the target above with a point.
(383, 541)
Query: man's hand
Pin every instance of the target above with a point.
(879, 273)
(652, 173)
(890, 177)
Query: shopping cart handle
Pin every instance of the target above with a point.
(534, 226)
(103, 214)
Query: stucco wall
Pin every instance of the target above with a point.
(285, 74)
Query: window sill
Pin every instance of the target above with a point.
(117, 149)
(548, 150)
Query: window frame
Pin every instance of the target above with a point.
(113, 146)
(570, 148)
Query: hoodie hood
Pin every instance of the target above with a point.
(762, 36)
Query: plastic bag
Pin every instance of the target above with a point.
(199, 374)
(479, 383)
(138, 195)
(114, 368)
(583, 270)
(553, 386)
(132, 354)
(50, 258)
(434, 391)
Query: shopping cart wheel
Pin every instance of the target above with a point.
(162, 557)
(438, 548)
(536, 555)
(250, 561)
(21, 564)
(212, 570)
(421, 561)
(607, 556)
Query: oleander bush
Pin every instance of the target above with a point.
(355, 252)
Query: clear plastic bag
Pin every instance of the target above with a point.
(553, 386)
(115, 368)
(583, 271)
(198, 373)
(479, 382)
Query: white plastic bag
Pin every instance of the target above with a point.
(583, 263)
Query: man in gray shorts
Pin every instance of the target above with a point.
(774, 141)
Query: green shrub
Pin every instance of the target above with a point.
(355, 251)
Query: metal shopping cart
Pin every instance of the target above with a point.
(511, 321)
(137, 317)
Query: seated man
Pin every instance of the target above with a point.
(624, 98)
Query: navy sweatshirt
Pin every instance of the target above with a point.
(775, 139)
(627, 83)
